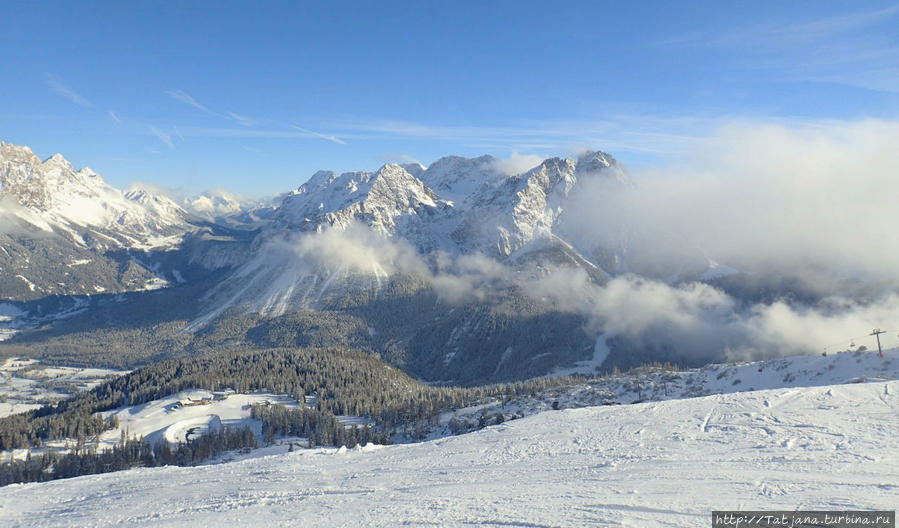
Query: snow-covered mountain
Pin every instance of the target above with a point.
(452, 246)
(54, 197)
(67, 232)
(229, 209)
(459, 205)
(456, 207)
(213, 204)
(387, 201)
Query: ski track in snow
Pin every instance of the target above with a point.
(645, 465)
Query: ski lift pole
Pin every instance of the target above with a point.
(876, 333)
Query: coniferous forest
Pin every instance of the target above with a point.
(343, 381)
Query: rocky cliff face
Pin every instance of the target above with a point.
(460, 205)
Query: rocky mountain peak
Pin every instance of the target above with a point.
(38, 184)
(455, 178)
(416, 169)
(20, 153)
(61, 198)
(394, 183)
(591, 163)
(373, 198)
(594, 160)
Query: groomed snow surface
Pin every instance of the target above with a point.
(643, 465)
(187, 414)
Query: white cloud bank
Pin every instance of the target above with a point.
(817, 203)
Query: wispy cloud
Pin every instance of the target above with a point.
(254, 150)
(631, 133)
(243, 120)
(332, 139)
(57, 86)
(247, 122)
(777, 35)
(656, 135)
(850, 49)
(399, 158)
(293, 133)
(187, 99)
(822, 28)
(162, 136)
(114, 117)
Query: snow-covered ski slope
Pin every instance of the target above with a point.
(170, 419)
(644, 465)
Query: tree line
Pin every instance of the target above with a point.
(346, 382)
(320, 428)
(343, 381)
(130, 453)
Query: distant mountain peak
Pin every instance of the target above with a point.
(233, 210)
(67, 200)
(15, 152)
(373, 198)
(67, 232)
(58, 159)
(415, 168)
(456, 204)
(597, 159)
(597, 162)
(454, 177)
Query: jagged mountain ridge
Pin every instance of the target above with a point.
(59, 198)
(480, 211)
(67, 232)
(452, 196)
(292, 276)
(376, 199)
(457, 206)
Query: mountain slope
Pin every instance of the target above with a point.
(453, 271)
(482, 211)
(450, 244)
(818, 448)
(57, 198)
(67, 232)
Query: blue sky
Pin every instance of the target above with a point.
(255, 97)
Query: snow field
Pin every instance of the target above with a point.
(168, 419)
(644, 465)
(660, 384)
(28, 385)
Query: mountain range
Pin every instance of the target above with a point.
(436, 269)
